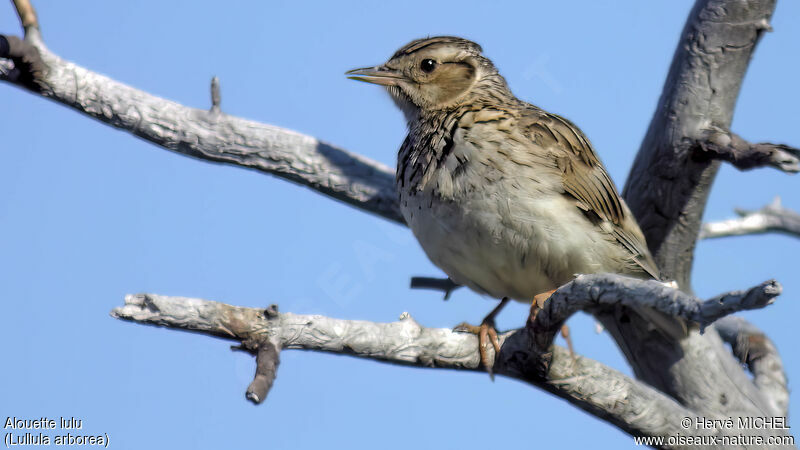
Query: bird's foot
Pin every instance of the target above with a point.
(487, 334)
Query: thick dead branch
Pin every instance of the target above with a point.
(668, 186)
(592, 292)
(595, 292)
(771, 218)
(599, 390)
(667, 190)
(755, 349)
(727, 146)
(208, 135)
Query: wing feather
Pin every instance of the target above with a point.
(585, 179)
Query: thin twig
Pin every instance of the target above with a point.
(445, 285)
(216, 97)
(771, 218)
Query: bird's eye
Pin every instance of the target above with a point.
(427, 65)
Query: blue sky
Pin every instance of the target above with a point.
(89, 214)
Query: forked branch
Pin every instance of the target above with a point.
(667, 195)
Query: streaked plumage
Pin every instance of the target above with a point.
(504, 197)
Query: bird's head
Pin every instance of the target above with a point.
(433, 74)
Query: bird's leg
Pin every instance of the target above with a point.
(486, 334)
(568, 338)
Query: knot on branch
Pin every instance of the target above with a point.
(29, 69)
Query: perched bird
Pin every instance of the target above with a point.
(506, 198)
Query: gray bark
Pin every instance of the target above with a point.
(752, 347)
(218, 137)
(599, 291)
(667, 190)
(727, 146)
(670, 180)
(632, 406)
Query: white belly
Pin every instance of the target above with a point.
(507, 246)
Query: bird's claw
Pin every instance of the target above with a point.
(487, 334)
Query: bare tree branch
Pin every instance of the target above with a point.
(727, 146)
(755, 349)
(771, 218)
(668, 186)
(634, 407)
(667, 190)
(209, 135)
(599, 291)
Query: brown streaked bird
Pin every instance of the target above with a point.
(507, 199)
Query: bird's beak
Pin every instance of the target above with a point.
(378, 75)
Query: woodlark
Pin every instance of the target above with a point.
(507, 199)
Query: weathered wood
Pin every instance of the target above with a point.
(667, 191)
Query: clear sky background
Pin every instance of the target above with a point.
(89, 214)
